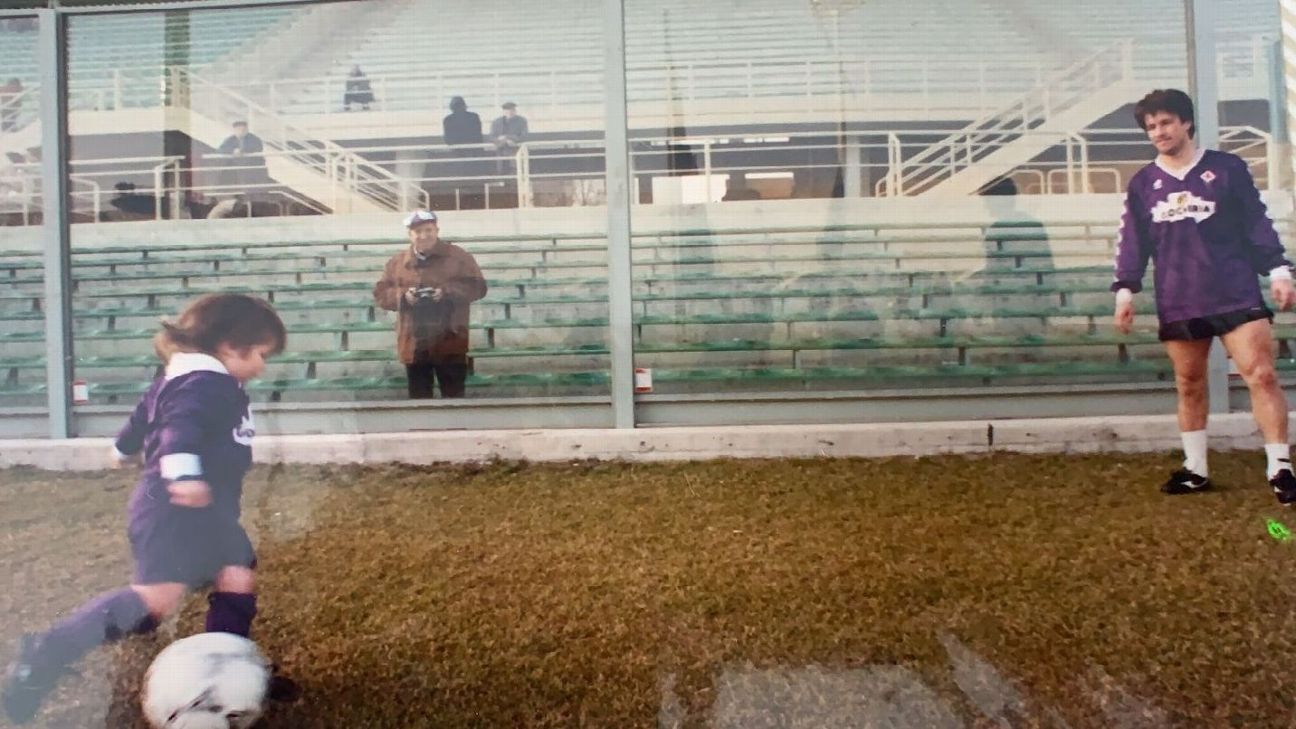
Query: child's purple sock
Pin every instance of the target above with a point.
(108, 617)
(231, 612)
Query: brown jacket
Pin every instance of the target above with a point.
(431, 330)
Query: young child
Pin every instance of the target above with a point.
(194, 429)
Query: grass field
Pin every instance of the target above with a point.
(1005, 591)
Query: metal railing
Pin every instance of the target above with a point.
(1059, 93)
(570, 172)
(342, 172)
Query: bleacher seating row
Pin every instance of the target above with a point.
(713, 310)
(891, 46)
(686, 48)
(137, 46)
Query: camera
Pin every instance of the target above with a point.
(424, 293)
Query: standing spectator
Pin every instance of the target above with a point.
(430, 285)
(358, 90)
(247, 161)
(508, 132)
(462, 132)
(461, 126)
(10, 104)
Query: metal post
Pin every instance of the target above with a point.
(853, 186)
(1279, 162)
(1287, 72)
(706, 166)
(57, 234)
(617, 153)
(1200, 21)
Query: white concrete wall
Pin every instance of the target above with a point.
(1058, 435)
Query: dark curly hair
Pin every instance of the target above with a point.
(1172, 101)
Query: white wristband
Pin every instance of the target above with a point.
(1124, 296)
(1281, 273)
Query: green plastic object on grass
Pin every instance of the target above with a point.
(1278, 531)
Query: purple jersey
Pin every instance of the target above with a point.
(193, 422)
(1208, 232)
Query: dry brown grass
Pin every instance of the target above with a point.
(1052, 591)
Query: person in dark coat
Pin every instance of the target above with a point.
(358, 90)
(462, 132)
(461, 126)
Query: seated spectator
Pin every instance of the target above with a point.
(133, 205)
(358, 90)
(233, 207)
(247, 164)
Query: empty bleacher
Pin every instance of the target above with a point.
(117, 61)
(546, 55)
(851, 307)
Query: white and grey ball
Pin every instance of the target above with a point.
(207, 681)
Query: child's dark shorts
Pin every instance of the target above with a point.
(187, 545)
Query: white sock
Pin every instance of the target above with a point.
(1279, 456)
(1194, 445)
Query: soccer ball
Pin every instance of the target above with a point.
(207, 681)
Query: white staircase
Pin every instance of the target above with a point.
(998, 143)
(317, 168)
(26, 123)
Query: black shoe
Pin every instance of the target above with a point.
(282, 689)
(27, 682)
(1184, 481)
(1284, 486)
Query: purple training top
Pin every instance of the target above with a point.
(1208, 232)
(195, 421)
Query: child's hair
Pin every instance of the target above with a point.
(1172, 101)
(237, 320)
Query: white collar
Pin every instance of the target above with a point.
(1182, 173)
(182, 363)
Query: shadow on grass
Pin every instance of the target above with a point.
(1002, 591)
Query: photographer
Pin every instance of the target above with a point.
(430, 285)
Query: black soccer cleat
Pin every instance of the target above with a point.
(1284, 486)
(282, 689)
(27, 682)
(1184, 481)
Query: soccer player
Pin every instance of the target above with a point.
(1196, 212)
(194, 428)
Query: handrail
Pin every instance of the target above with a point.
(1021, 114)
(331, 161)
(551, 172)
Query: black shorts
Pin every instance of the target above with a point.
(1207, 327)
(187, 546)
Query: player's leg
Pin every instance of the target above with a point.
(1251, 346)
(108, 617)
(232, 608)
(1189, 358)
(232, 605)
